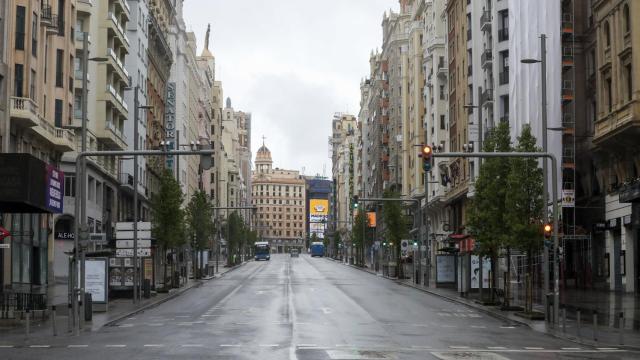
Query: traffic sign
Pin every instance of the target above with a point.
(128, 235)
(98, 238)
(144, 252)
(128, 226)
(128, 244)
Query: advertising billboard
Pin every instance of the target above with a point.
(318, 216)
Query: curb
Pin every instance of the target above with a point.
(167, 298)
(489, 312)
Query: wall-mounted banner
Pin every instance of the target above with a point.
(54, 183)
(170, 120)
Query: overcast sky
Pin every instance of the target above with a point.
(292, 64)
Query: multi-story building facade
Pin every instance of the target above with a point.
(617, 121)
(4, 77)
(280, 198)
(39, 55)
(318, 191)
(344, 142)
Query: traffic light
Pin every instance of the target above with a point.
(355, 202)
(427, 153)
(547, 229)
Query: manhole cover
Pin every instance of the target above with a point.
(355, 355)
(457, 355)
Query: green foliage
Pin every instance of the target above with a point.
(394, 220)
(360, 226)
(524, 198)
(168, 216)
(200, 220)
(486, 217)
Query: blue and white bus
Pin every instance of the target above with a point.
(262, 250)
(317, 249)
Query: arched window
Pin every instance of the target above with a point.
(626, 21)
(607, 34)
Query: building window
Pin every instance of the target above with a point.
(19, 80)
(70, 185)
(607, 34)
(20, 27)
(34, 35)
(626, 19)
(609, 94)
(59, 65)
(442, 122)
(32, 86)
(629, 74)
(58, 113)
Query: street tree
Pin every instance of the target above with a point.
(487, 215)
(359, 234)
(336, 244)
(524, 201)
(199, 215)
(395, 223)
(167, 225)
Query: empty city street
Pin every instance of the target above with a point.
(307, 308)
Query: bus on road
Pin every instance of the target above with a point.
(262, 250)
(317, 249)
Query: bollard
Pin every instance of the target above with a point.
(28, 319)
(578, 323)
(69, 325)
(53, 320)
(564, 319)
(621, 325)
(595, 325)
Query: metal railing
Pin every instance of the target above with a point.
(11, 302)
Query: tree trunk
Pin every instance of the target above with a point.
(494, 278)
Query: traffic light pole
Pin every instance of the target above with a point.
(554, 179)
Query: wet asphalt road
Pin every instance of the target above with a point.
(308, 308)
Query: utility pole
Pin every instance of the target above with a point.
(135, 197)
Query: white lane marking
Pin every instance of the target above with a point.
(153, 345)
(507, 327)
(478, 326)
(6, 346)
(155, 324)
(571, 348)
(39, 346)
(342, 345)
(306, 345)
(131, 318)
(182, 316)
(241, 323)
(607, 348)
(533, 348)
(268, 345)
(458, 347)
(192, 345)
(207, 315)
(77, 346)
(115, 346)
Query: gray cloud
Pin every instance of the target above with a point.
(293, 64)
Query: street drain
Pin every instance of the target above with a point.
(457, 355)
(356, 355)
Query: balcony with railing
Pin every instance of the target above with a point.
(620, 127)
(487, 97)
(115, 63)
(116, 29)
(62, 139)
(485, 21)
(487, 58)
(112, 136)
(503, 77)
(24, 112)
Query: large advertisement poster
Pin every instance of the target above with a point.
(95, 279)
(318, 216)
(475, 271)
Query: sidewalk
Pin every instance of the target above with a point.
(118, 309)
(607, 330)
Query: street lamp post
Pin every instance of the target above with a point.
(81, 189)
(545, 201)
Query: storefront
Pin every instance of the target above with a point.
(630, 195)
(30, 193)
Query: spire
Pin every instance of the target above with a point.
(228, 103)
(206, 38)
